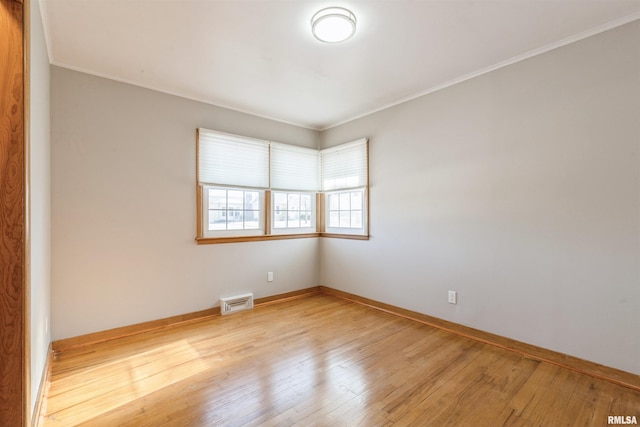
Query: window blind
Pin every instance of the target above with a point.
(225, 159)
(294, 168)
(344, 166)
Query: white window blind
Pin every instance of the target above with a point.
(294, 168)
(225, 159)
(344, 166)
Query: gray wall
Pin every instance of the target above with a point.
(520, 189)
(124, 209)
(40, 199)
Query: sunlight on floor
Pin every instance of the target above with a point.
(143, 373)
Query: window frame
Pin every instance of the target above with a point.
(267, 229)
(205, 238)
(313, 223)
(227, 233)
(347, 231)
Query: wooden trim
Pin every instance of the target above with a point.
(199, 230)
(215, 240)
(320, 221)
(345, 236)
(110, 334)
(26, 34)
(615, 376)
(14, 307)
(267, 212)
(366, 191)
(288, 296)
(41, 401)
(593, 369)
(266, 204)
(168, 322)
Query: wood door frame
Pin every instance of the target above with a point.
(14, 219)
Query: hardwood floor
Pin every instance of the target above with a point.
(319, 360)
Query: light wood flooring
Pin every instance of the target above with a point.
(319, 361)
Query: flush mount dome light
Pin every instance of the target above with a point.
(333, 24)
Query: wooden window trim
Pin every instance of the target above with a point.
(320, 218)
(267, 212)
(235, 239)
(320, 224)
(345, 236)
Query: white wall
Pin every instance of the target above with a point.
(40, 199)
(520, 189)
(124, 209)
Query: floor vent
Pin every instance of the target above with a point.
(236, 303)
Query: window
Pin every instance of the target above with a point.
(233, 175)
(249, 189)
(345, 184)
(233, 209)
(294, 168)
(346, 210)
(295, 173)
(293, 212)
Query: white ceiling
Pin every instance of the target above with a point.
(260, 57)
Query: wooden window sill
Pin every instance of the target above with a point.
(236, 239)
(215, 240)
(345, 236)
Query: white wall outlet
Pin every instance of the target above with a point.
(453, 297)
(270, 276)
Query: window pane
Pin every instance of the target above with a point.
(279, 210)
(293, 219)
(217, 219)
(294, 202)
(234, 209)
(251, 200)
(345, 219)
(356, 219)
(334, 219)
(217, 199)
(235, 200)
(280, 219)
(345, 204)
(334, 202)
(252, 220)
(280, 201)
(305, 202)
(305, 219)
(292, 210)
(234, 219)
(356, 200)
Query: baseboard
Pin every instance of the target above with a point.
(586, 367)
(288, 296)
(40, 407)
(168, 322)
(616, 376)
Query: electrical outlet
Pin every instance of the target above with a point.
(453, 297)
(270, 276)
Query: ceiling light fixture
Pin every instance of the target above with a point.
(333, 24)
